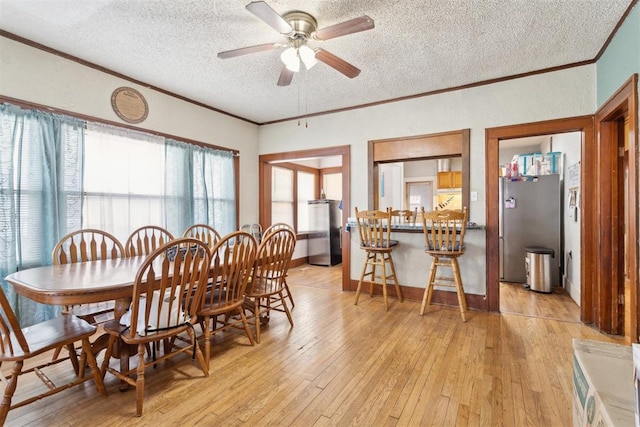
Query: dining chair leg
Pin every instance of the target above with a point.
(56, 353)
(245, 322)
(286, 309)
(73, 356)
(82, 363)
(93, 365)
(142, 349)
(256, 316)
(9, 390)
(207, 340)
(107, 355)
(199, 356)
(286, 286)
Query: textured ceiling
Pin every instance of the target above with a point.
(416, 46)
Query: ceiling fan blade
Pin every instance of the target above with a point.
(285, 77)
(338, 64)
(247, 50)
(269, 16)
(355, 25)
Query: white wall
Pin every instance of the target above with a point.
(564, 93)
(569, 144)
(32, 75)
(506, 152)
(391, 193)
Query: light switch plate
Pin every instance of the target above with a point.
(474, 196)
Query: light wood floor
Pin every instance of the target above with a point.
(558, 305)
(352, 365)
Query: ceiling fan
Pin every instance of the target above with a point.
(300, 27)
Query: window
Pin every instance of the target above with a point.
(292, 186)
(282, 196)
(123, 183)
(306, 192)
(134, 179)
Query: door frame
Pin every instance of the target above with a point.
(583, 124)
(264, 192)
(608, 282)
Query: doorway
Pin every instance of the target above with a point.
(343, 153)
(583, 125)
(541, 215)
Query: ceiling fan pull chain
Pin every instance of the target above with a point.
(306, 101)
(299, 115)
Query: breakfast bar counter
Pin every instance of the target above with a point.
(412, 263)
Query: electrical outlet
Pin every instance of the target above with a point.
(474, 196)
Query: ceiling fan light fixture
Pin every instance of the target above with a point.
(308, 56)
(290, 59)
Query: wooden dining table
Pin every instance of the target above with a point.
(83, 283)
(80, 283)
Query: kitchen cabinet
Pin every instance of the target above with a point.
(450, 179)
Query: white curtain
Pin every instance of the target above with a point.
(134, 179)
(124, 180)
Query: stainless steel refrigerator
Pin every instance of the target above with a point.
(529, 216)
(325, 218)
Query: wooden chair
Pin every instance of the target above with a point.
(404, 216)
(278, 226)
(87, 245)
(19, 345)
(444, 241)
(204, 233)
(267, 286)
(269, 230)
(81, 246)
(254, 229)
(167, 293)
(232, 261)
(374, 230)
(145, 240)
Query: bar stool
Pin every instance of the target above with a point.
(404, 216)
(374, 229)
(444, 241)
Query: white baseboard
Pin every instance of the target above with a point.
(573, 289)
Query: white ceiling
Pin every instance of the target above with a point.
(417, 46)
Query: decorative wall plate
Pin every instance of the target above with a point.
(129, 105)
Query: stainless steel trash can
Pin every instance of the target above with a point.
(538, 268)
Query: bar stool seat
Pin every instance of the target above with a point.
(444, 241)
(374, 230)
